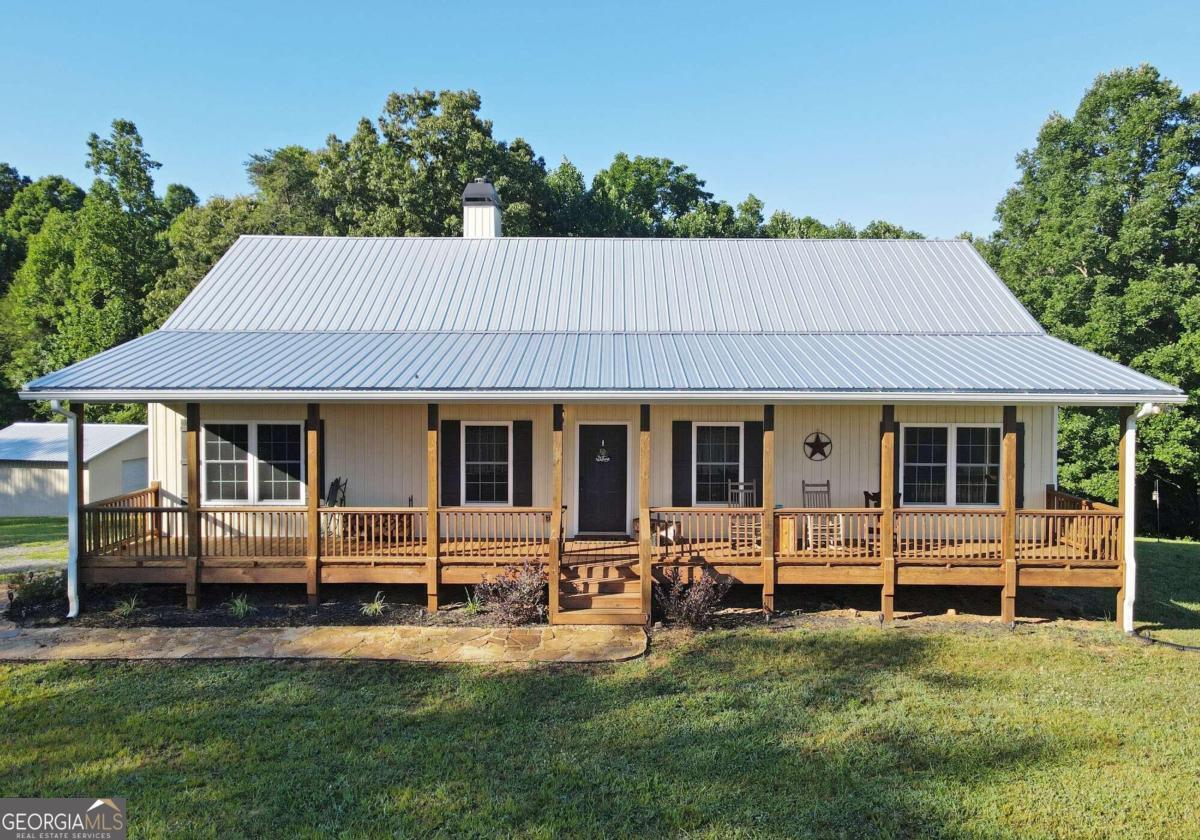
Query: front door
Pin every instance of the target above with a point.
(603, 479)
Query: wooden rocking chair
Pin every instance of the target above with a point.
(745, 530)
(821, 530)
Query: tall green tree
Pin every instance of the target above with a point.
(1100, 239)
(83, 286)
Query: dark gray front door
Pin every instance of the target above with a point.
(603, 479)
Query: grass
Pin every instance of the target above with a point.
(32, 542)
(1056, 730)
(843, 732)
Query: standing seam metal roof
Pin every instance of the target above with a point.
(513, 316)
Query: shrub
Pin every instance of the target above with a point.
(37, 593)
(473, 605)
(695, 603)
(376, 607)
(240, 607)
(517, 595)
(126, 608)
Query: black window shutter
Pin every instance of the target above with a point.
(1020, 465)
(522, 461)
(681, 463)
(752, 457)
(451, 451)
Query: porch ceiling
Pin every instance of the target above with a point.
(177, 364)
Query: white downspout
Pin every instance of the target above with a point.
(74, 493)
(1129, 441)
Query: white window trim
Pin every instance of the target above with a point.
(951, 465)
(462, 463)
(741, 427)
(252, 473)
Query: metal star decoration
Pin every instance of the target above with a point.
(817, 446)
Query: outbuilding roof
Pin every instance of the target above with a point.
(47, 442)
(439, 318)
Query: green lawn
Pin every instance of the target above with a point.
(32, 542)
(1065, 729)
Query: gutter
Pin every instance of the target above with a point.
(74, 496)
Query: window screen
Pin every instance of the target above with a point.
(226, 462)
(977, 466)
(279, 456)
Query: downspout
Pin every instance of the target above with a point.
(1129, 441)
(74, 492)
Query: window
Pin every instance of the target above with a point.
(226, 462)
(925, 465)
(977, 466)
(718, 460)
(485, 463)
(252, 462)
(938, 472)
(279, 462)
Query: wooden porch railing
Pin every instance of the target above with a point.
(1057, 537)
(680, 534)
(850, 534)
(949, 535)
(368, 532)
(1059, 500)
(515, 533)
(253, 532)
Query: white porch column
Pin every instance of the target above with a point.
(1128, 504)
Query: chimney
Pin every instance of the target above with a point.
(481, 210)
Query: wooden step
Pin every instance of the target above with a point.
(635, 617)
(599, 571)
(601, 600)
(579, 586)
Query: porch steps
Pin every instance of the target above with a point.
(600, 616)
(601, 600)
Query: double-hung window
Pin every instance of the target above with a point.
(951, 465)
(717, 455)
(252, 462)
(487, 463)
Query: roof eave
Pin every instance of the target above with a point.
(1083, 398)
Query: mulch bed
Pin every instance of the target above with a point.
(274, 606)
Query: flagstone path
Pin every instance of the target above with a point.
(400, 643)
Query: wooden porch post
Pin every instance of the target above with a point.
(554, 573)
(312, 436)
(768, 504)
(192, 445)
(887, 506)
(431, 499)
(1125, 467)
(645, 567)
(1008, 503)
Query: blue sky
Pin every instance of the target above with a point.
(911, 112)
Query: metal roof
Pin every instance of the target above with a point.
(349, 364)
(522, 284)
(47, 442)
(513, 318)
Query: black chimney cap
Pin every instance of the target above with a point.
(480, 191)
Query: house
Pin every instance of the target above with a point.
(33, 465)
(785, 412)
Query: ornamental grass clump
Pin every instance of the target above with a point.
(517, 595)
(694, 604)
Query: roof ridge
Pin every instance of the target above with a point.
(905, 333)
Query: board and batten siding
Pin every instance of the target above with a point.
(380, 448)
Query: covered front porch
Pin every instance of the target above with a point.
(444, 536)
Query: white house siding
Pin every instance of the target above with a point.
(380, 448)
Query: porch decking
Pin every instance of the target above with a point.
(134, 538)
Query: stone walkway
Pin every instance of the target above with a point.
(400, 643)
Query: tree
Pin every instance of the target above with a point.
(11, 183)
(285, 183)
(82, 288)
(1100, 239)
